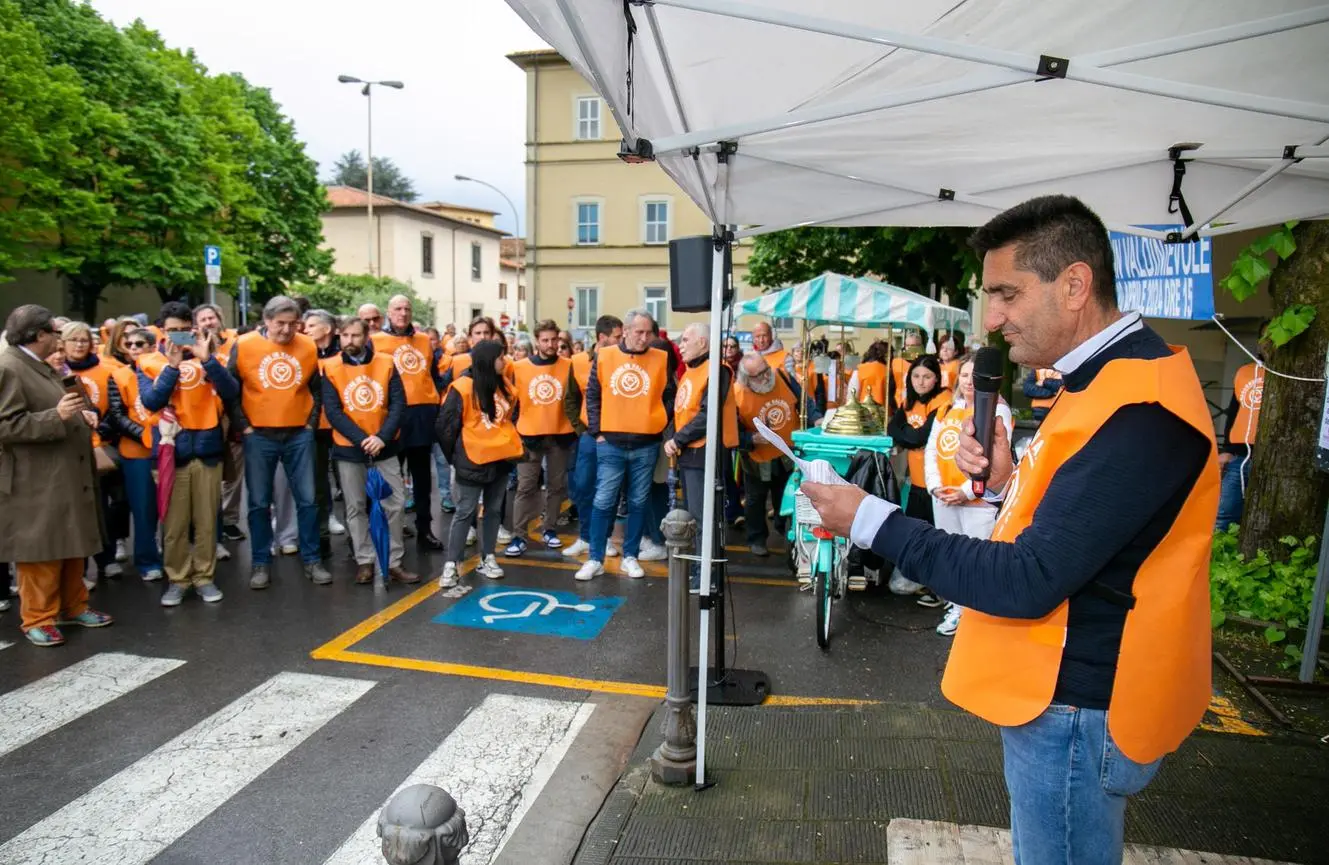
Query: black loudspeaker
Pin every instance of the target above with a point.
(690, 262)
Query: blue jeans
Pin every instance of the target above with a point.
(444, 472)
(581, 485)
(1231, 492)
(614, 464)
(141, 490)
(296, 455)
(1068, 783)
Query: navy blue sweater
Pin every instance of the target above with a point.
(1103, 514)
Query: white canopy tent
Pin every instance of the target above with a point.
(1208, 114)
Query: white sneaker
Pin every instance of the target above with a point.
(153, 575)
(902, 585)
(590, 570)
(290, 549)
(631, 568)
(112, 570)
(489, 568)
(576, 548)
(651, 551)
(504, 536)
(951, 621)
(448, 579)
(121, 552)
(611, 550)
(335, 526)
(223, 554)
(470, 537)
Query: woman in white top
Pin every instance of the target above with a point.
(955, 508)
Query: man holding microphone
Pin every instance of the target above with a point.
(1087, 635)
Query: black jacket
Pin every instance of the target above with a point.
(344, 424)
(448, 431)
(695, 429)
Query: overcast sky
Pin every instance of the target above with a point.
(463, 108)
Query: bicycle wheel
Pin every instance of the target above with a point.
(822, 594)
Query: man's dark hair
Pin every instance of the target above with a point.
(544, 327)
(175, 309)
(1050, 233)
(302, 302)
(26, 323)
(607, 324)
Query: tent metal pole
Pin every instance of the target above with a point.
(1321, 212)
(1310, 653)
(758, 230)
(1267, 175)
(1306, 151)
(1253, 102)
(987, 80)
(578, 30)
(1208, 38)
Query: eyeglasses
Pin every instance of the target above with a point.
(137, 343)
(372, 318)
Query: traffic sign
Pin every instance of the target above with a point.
(212, 263)
(532, 611)
(504, 320)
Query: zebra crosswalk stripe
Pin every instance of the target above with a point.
(51, 702)
(494, 763)
(135, 815)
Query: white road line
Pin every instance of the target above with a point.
(926, 842)
(135, 815)
(494, 763)
(4, 645)
(53, 701)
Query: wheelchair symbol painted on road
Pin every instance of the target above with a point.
(532, 611)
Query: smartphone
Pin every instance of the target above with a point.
(183, 338)
(73, 384)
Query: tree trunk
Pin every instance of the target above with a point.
(1287, 495)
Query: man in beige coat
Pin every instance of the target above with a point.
(50, 521)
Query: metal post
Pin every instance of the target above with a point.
(369, 165)
(1310, 652)
(675, 761)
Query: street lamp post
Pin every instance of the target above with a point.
(368, 92)
(516, 219)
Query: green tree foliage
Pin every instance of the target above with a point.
(176, 158)
(912, 258)
(343, 294)
(351, 170)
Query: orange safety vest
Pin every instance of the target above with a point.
(460, 363)
(225, 346)
(540, 394)
(486, 441)
(274, 379)
(126, 381)
(412, 355)
(1249, 389)
(581, 371)
(917, 416)
(776, 358)
(632, 390)
(872, 380)
(1005, 670)
(195, 401)
(899, 369)
(687, 405)
(950, 374)
(1041, 376)
(775, 409)
(94, 386)
(363, 390)
(949, 425)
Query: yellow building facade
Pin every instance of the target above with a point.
(598, 229)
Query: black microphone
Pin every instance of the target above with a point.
(989, 366)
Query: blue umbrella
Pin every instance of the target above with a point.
(377, 489)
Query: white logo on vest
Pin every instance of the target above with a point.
(630, 381)
(684, 395)
(1253, 393)
(948, 439)
(191, 375)
(501, 409)
(408, 359)
(545, 389)
(94, 392)
(776, 414)
(280, 371)
(362, 394)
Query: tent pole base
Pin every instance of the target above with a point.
(737, 688)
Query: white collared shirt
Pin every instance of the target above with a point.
(28, 352)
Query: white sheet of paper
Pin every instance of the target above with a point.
(816, 471)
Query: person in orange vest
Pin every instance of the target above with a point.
(1238, 451)
(208, 317)
(193, 385)
(321, 327)
(547, 435)
(410, 351)
(372, 316)
(948, 358)
(365, 402)
(1086, 637)
(277, 413)
(909, 428)
(479, 437)
(629, 409)
(1041, 386)
(872, 375)
(765, 344)
(913, 347)
(133, 424)
(581, 484)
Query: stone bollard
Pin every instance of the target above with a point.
(675, 761)
(422, 825)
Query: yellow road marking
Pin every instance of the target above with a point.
(1229, 719)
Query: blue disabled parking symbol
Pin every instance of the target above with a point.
(532, 611)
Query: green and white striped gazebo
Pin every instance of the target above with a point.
(858, 302)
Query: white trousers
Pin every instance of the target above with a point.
(975, 521)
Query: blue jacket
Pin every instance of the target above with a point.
(207, 445)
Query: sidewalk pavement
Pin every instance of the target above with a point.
(909, 784)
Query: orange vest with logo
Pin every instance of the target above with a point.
(1005, 670)
(872, 380)
(917, 415)
(687, 405)
(950, 374)
(632, 390)
(900, 369)
(486, 441)
(1249, 389)
(581, 370)
(323, 422)
(363, 390)
(1041, 376)
(126, 381)
(948, 427)
(776, 358)
(274, 379)
(94, 386)
(225, 346)
(412, 356)
(775, 409)
(195, 400)
(540, 393)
